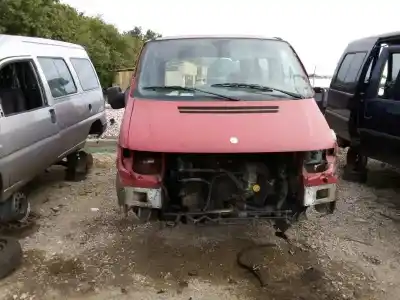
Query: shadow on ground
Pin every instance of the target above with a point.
(114, 252)
(385, 180)
(173, 258)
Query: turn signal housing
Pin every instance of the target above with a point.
(147, 163)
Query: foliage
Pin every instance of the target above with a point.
(108, 48)
(148, 35)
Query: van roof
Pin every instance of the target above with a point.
(217, 36)
(367, 43)
(12, 46)
(4, 39)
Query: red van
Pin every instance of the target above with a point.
(220, 129)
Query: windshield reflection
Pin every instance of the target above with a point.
(204, 62)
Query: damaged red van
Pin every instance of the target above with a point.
(222, 129)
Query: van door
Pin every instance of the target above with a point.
(69, 108)
(380, 121)
(28, 127)
(342, 92)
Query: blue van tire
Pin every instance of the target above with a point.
(349, 174)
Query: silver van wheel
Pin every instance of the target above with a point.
(20, 207)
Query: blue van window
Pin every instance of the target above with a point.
(349, 68)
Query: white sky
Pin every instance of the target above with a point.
(319, 30)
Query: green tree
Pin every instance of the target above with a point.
(136, 32)
(150, 35)
(108, 48)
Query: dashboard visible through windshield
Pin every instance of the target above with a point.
(206, 68)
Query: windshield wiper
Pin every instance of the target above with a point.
(187, 89)
(257, 87)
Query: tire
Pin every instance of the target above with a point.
(84, 163)
(17, 208)
(356, 167)
(78, 166)
(356, 160)
(349, 174)
(10, 256)
(70, 172)
(24, 207)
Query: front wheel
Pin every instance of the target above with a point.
(356, 166)
(349, 174)
(356, 160)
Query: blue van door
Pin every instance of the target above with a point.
(380, 120)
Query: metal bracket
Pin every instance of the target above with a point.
(223, 218)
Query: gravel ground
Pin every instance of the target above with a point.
(114, 117)
(82, 248)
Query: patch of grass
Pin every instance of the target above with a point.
(101, 149)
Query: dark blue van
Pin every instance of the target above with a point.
(363, 105)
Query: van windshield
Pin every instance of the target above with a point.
(241, 68)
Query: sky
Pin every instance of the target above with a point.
(319, 30)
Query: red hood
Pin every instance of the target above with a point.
(167, 126)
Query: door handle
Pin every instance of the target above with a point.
(90, 107)
(53, 117)
(366, 116)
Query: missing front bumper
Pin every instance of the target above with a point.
(315, 196)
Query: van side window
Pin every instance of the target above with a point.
(389, 76)
(349, 69)
(58, 76)
(368, 74)
(86, 74)
(395, 65)
(20, 88)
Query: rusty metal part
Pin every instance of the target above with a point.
(227, 216)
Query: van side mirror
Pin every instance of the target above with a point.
(320, 97)
(116, 97)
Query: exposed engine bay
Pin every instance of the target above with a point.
(233, 184)
(226, 188)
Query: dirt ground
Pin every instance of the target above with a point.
(81, 247)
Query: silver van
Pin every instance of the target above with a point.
(50, 101)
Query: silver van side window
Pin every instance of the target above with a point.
(86, 73)
(58, 76)
(20, 88)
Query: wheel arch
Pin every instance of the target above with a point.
(96, 127)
